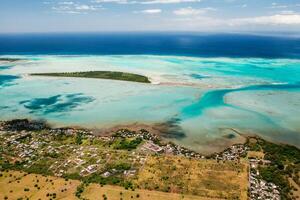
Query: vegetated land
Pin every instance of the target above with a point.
(121, 76)
(17, 185)
(21, 185)
(136, 162)
(122, 159)
(206, 178)
(93, 191)
(10, 59)
(284, 167)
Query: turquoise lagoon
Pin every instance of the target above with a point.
(209, 101)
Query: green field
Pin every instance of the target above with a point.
(121, 76)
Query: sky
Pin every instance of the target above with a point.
(18, 16)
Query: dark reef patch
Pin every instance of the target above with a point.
(57, 103)
(5, 67)
(7, 80)
(230, 136)
(171, 129)
(3, 107)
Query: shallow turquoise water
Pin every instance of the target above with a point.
(204, 98)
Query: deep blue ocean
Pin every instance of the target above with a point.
(187, 44)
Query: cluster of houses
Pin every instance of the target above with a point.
(78, 161)
(144, 134)
(233, 153)
(29, 147)
(156, 145)
(258, 188)
(24, 152)
(71, 131)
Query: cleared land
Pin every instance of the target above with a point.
(204, 178)
(17, 185)
(121, 76)
(256, 154)
(95, 191)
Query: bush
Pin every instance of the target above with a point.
(79, 190)
(128, 144)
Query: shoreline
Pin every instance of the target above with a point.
(160, 130)
(105, 159)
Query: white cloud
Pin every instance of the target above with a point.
(203, 22)
(168, 1)
(149, 11)
(66, 3)
(287, 12)
(189, 11)
(69, 7)
(276, 6)
(146, 1)
(61, 8)
(279, 19)
(114, 1)
(85, 7)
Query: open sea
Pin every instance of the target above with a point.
(209, 88)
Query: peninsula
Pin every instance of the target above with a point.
(121, 76)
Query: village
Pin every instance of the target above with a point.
(259, 188)
(70, 150)
(77, 153)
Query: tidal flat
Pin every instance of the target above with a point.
(204, 104)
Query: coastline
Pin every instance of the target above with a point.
(89, 107)
(68, 148)
(163, 131)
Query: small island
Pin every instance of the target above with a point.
(121, 76)
(10, 59)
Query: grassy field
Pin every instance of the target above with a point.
(171, 177)
(205, 178)
(95, 191)
(256, 154)
(121, 76)
(17, 185)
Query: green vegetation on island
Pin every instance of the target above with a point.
(121, 76)
(10, 59)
